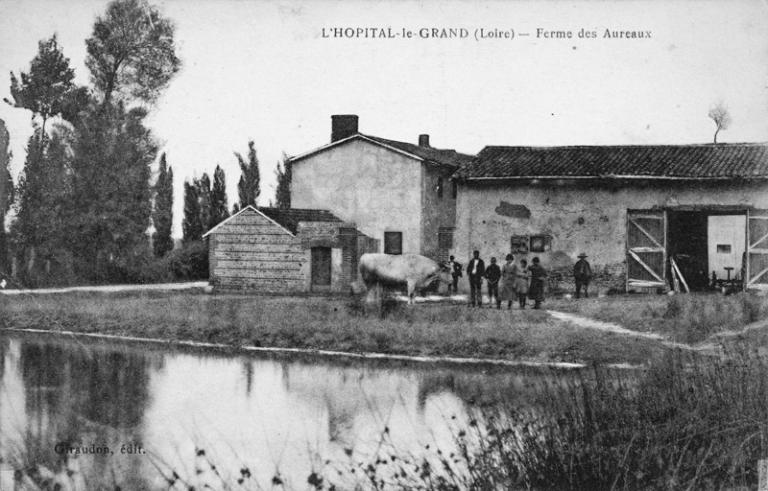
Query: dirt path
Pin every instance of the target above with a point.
(588, 323)
(110, 288)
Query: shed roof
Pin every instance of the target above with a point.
(729, 161)
(289, 218)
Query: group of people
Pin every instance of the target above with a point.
(512, 281)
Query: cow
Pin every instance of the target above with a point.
(412, 270)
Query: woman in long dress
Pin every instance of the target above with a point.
(508, 277)
(521, 283)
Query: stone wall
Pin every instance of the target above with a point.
(578, 217)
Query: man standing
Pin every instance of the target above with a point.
(538, 276)
(493, 274)
(582, 273)
(476, 271)
(455, 269)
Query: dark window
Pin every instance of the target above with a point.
(439, 187)
(519, 244)
(724, 248)
(454, 189)
(445, 238)
(540, 243)
(393, 242)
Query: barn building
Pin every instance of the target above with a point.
(630, 208)
(285, 251)
(397, 193)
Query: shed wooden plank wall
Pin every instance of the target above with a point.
(252, 252)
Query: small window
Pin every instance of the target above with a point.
(519, 244)
(723, 248)
(439, 187)
(454, 189)
(393, 242)
(540, 243)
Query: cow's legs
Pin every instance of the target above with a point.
(411, 291)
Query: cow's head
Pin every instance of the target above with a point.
(444, 274)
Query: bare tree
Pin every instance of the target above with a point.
(722, 118)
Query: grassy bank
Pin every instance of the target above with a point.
(687, 318)
(677, 426)
(322, 323)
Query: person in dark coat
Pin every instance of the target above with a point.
(475, 272)
(455, 269)
(493, 275)
(538, 276)
(582, 274)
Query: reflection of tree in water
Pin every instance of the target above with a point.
(115, 392)
(4, 344)
(83, 396)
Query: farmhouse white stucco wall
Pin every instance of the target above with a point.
(378, 189)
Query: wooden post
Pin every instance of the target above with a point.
(762, 475)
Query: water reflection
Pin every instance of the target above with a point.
(265, 413)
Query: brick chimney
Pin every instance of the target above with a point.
(424, 140)
(343, 126)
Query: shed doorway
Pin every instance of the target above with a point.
(321, 268)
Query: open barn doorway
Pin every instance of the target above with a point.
(687, 245)
(706, 244)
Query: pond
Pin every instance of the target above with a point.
(140, 411)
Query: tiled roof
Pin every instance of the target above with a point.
(720, 161)
(290, 217)
(440, 156)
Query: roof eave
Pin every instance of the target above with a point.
(360, 136)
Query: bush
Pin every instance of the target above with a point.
(190, 262)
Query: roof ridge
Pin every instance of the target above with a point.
(634, 145)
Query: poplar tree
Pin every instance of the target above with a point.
(203, 186)
(192, 227)
(162, 215)
(6, 194)
(219, 210)
(249, 185)
(283, 190)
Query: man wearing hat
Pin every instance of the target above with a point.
(582, 273)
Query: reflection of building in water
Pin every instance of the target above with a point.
(361, 401)
(478, 388)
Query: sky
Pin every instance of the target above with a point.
(263, 70)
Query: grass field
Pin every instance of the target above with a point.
(685, 318)
(325, 323)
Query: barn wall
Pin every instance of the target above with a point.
(578, 217)
(251, 252)
(436, 212)
(363, 183)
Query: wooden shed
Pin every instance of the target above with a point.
(285, 251)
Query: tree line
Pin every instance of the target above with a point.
(87, 195)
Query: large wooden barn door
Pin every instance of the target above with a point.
(757, 249)
(646, 248)
(321, 266)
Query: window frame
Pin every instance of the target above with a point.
(393, 233)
